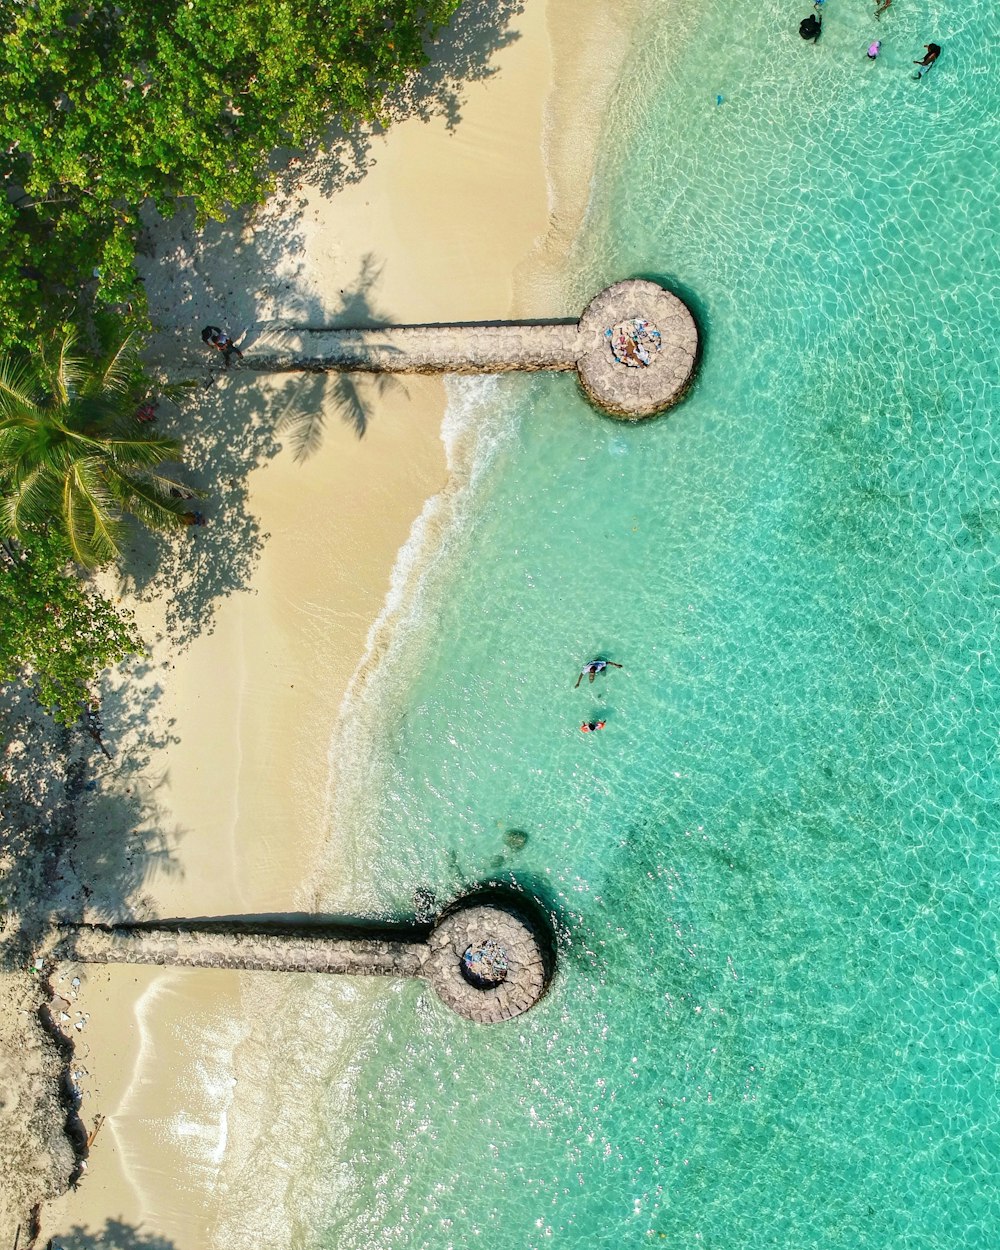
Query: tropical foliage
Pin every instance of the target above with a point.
(57, 634)
(73, 458)
(105, 105)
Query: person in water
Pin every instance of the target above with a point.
(933, 51)
(874, 49)
(593, 668)
(881, 7)
(810, 27)
(592, 726)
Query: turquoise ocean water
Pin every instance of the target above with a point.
(775, 1019)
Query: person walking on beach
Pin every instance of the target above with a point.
(933, 51)
(593, 667)
(221, 341)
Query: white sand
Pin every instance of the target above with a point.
(236, 719)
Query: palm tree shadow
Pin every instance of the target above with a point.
(231, 424)
(304, 420)
(225, 441)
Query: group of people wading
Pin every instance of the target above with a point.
(811, 27)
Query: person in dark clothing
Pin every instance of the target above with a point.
(213, 336)
(810, 27)
(933, 51)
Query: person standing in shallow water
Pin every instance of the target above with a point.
(810, 28)
(933, 51)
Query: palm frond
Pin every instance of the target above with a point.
(90, 515)
(149, 499)
(16, 392)
(31, 501)
(115, 373)
(72, 455)
(139, 451)
(68, 374)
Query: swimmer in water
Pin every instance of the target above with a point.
(931, 55)
(594, 667)
(592, 726)
(874, 49)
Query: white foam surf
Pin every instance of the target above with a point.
(479, 423)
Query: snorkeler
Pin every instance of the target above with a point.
(592, 726)
(594, 667)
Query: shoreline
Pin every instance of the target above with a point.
(368, 492)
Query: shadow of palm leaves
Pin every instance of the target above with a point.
(305, 422)
(222, 447)
(228, 432)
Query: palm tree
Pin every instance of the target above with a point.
(72, 456)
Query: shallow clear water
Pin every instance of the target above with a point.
(775, 1017)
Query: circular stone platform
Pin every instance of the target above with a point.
(619, 382)
(489, 961)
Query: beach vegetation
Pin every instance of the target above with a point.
(74, 459)
(59, 633)
(105, 107)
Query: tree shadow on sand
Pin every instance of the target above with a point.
(231, 423)
(115, 1235)
(81, 834)
(268, 241)
(461, 53)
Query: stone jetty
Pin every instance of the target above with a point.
(634, 349)
(488, 958)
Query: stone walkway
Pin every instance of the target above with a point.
(526, 946)
(629, 392)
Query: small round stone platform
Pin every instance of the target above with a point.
(624, 386)
(489, 961)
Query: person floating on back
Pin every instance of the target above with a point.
(931, 55)
(810, 27)
(213, 336)
(593, 667)
(592, 726)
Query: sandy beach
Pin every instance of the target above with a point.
(258, 620)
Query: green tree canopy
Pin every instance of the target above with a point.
(73, 458)
(57, 634)
(104, 105)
